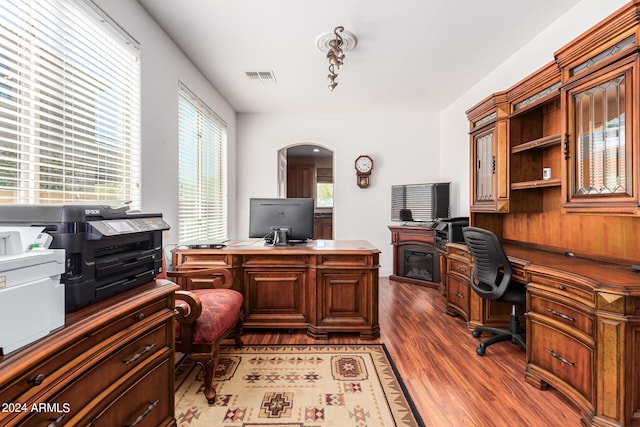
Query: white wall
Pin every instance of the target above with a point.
(454, 137)
(406, 147)
(163, 65)
(403, 146)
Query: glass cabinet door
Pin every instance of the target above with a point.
(599, 157)
(601, 166)
(484, 167)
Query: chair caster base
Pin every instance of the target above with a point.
(480, 350)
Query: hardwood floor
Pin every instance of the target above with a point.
(435, 355)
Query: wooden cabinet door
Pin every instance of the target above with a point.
(601, 141)
(275, 297)
(344, 297)
(490, 155)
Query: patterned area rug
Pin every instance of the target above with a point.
(297, 386)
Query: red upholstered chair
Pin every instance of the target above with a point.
(206, 317)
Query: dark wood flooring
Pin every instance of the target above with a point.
(435, 355)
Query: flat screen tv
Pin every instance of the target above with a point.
(420, 202)
(281, 221)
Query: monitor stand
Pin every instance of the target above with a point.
(280, 236)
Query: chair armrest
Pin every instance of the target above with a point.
(209, 273)
(187, 307)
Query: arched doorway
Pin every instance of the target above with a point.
(306, 170)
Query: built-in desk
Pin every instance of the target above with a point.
(323, 286)
(583, 331)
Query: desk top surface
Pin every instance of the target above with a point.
(249, 246)
(603, 276)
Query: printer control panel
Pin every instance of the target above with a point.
(116, 227)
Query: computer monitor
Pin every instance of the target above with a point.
(281, 221)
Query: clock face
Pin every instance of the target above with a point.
(364, 164)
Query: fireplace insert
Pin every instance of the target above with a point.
(420, 262)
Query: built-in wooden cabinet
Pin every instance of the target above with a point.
(489, 130)
(578, 118)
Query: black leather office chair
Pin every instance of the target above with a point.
(491, 279)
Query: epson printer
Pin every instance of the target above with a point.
(107, 249)
(31, 295)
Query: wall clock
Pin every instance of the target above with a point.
(364, 166)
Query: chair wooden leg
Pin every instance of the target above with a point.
(237, 333)
(209, 363)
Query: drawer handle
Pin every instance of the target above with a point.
(458, 294)
(144, 414)
(562, 315)
(56, 421)
(560, 358)
(561, 287)
(139, 316)
(463, 270)
(37, 380)
(139, 355)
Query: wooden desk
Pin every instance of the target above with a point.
(110, 364)
(323, 286)
(583, 331)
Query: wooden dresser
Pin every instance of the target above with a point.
(111, 364)
(323, 286)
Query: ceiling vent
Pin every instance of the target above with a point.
(261, 76)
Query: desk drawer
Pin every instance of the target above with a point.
(567, 361)
(460, 268)
(458, 295)
(81, 391)
(47, 373)
(345, 260)
(563, 287)
(560, 311)
(146, 398)
(459, 250)
(275, 261)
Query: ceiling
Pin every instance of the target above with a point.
(411, 55)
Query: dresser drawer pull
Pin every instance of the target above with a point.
(139, 355)
(459, 295)
(144, 414)
(564, 316)
(37, 380)
(463, 270)
(560, 358)
(562, 287)
(56, 421)
(139, 316)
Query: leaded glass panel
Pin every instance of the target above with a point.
(484, 167)
(601, 163)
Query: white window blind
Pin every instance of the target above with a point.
(202, 171)
(69, 105)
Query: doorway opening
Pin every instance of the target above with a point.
(306, 170)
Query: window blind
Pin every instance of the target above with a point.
(427, 202)
(202, 170)
(69, 105)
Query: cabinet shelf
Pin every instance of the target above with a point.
(544, 142)
(539, 183)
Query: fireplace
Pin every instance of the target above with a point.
(419, 262)
(416, 259)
